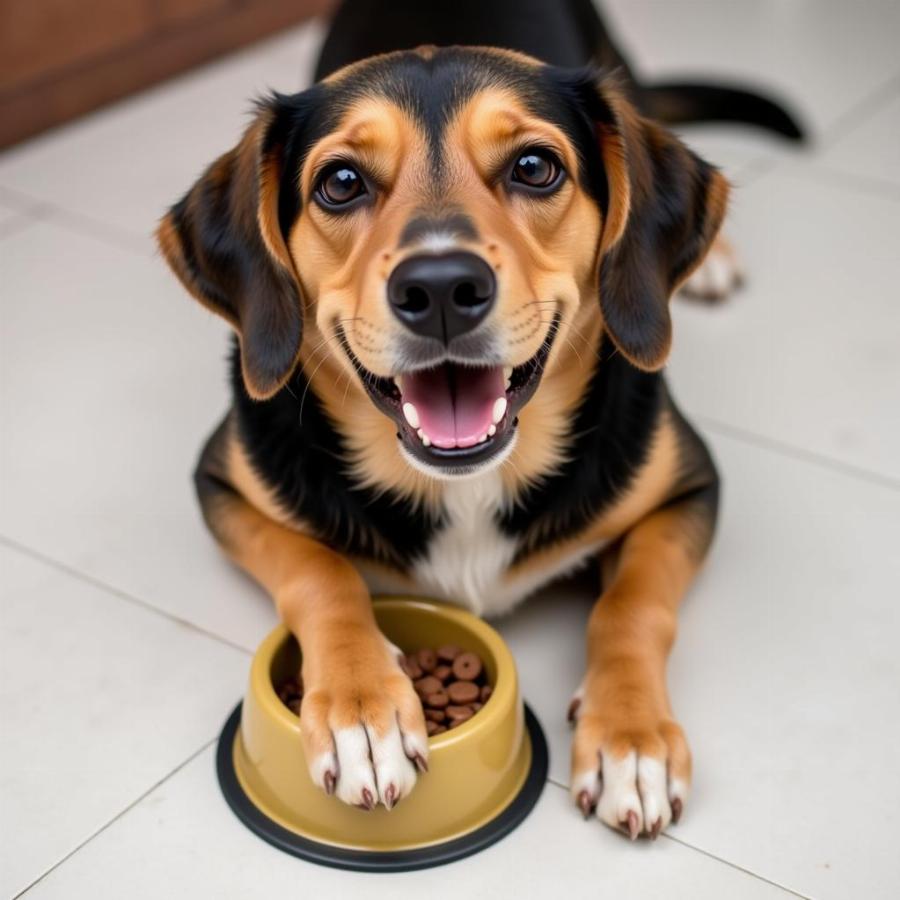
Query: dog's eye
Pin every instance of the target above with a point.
(340, 185)
(536, 169)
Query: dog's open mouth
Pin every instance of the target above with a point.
(456, 415)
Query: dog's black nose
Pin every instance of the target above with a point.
(442, 296)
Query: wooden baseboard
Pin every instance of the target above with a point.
(27, 109)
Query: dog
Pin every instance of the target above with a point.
(448, 270)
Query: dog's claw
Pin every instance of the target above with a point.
(368, 799)
(420, 762)
(585, 804)
(656, 829)
(330, 782)
(630, 824)
(390, 796)
(677, 810)
(572, 712)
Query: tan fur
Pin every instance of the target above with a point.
(631, 630)
(546, 260)
(546, 257)
(652, 486)
(348, 668)
(249, 485)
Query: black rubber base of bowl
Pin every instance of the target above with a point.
(382, 861)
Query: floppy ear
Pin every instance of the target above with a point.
(664, 206)
(224, 241)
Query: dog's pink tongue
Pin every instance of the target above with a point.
(454, 406)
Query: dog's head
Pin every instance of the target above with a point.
(444, 223)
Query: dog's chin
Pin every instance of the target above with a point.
(457, 420)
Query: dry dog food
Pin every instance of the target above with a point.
(451, 684)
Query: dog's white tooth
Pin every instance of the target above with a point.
(412, 415)
(492, 430)
(483, 438)
(426, 441)
(421, 434)
(499, 410)
(507, 373)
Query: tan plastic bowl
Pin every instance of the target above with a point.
(484, 776)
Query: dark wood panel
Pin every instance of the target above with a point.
(39, 37)
(212, 29)
(174, 11)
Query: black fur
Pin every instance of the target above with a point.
(566, 33)
(303, 461)
(299, 453)
(224, 260)
(609, 440)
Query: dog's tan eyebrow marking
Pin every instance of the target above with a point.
(457, 224)
(508, 123)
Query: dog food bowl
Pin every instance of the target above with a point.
(484, 775)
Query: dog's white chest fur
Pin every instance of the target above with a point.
(469, 557)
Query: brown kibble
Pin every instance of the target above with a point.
(463, 714)
(448, 652)
(411, 667)
(427, 685)
(291, 691)
(444, 672)
(467, 667)
(444, 705)
(461, 692)
(427, 659)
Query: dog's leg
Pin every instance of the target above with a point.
(630, 760)
(718, 276)
(362, 725)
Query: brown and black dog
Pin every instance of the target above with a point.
(449, 274)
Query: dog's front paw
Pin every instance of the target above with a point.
(362, 726)
(634, 772)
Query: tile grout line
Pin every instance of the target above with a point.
(79, 222)
(852, 118)
(706, 853)
(842, 180)
(100, 230)
(117, 816)
(124, 238)
(860, 112)
(782, 448)
(18, 223)
(736, 866)
(116, 592)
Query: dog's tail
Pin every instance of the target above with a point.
(677, 103)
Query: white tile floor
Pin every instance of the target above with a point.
(785, 675)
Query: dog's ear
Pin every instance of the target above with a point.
(224, 241)
(663, 208)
